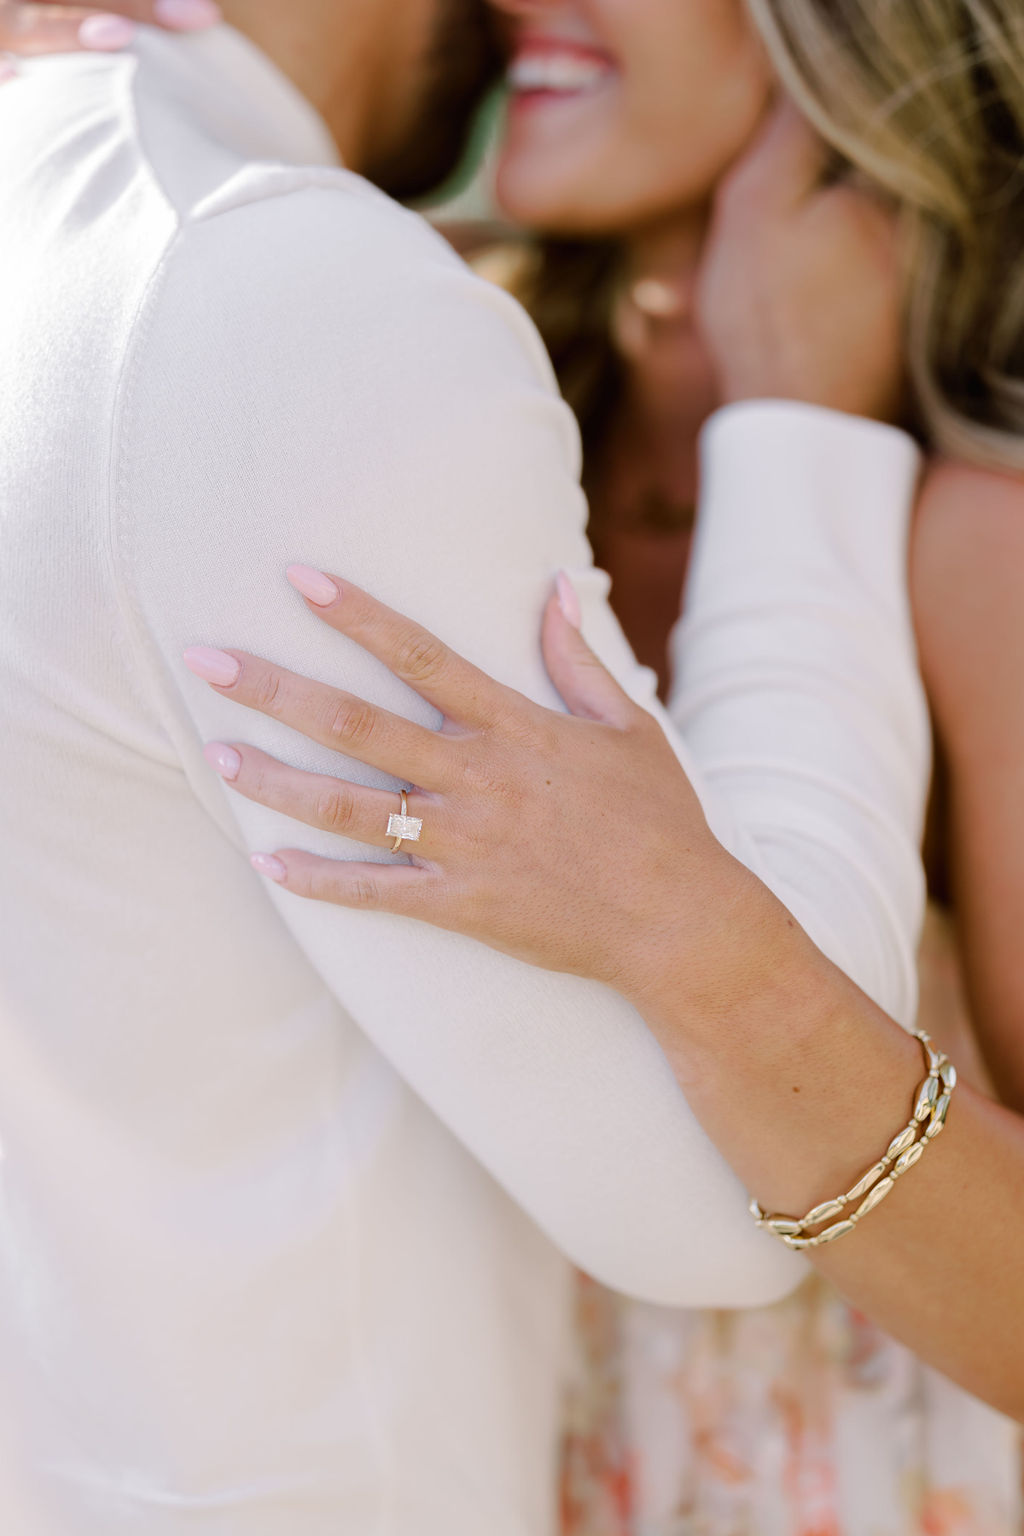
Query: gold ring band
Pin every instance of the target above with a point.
(403, 827)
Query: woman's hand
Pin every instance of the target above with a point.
(574, 842)
(43, 27)
(801, 294)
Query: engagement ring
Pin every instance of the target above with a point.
(403, 827)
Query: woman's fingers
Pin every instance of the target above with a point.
(784, 240)
(39, 28)
(432, 669)
(407, 890)
(29, 30)
(326, 715)
(584, 683)
(332, 805)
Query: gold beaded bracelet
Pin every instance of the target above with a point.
(904, 1152)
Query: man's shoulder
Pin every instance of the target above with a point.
(306, 339)
(110, 142)
(315, 214)
(314, 270)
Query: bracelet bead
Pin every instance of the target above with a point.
(831, 1233)
(782, 1227)
(876, 1196)
(824, 1212)
(926, 1099)
(909, 1158)
(871, 1177)
(938, 1119)
(901, 1142)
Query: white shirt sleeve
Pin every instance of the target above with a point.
(796, 685)
(315, 379)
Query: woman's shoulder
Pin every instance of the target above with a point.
(969, 527)
(967, 585)
(953, 487)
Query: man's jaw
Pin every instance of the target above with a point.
(465, 58)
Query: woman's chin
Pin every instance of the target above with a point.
(560, 207)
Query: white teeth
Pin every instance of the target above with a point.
(555, 72)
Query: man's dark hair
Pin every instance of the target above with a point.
(466, 58)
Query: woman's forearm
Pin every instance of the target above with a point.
(802, 1082)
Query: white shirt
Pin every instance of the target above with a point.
(288, 1193)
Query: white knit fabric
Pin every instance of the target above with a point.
(287, 1192)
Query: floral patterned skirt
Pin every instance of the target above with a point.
(800, 1419)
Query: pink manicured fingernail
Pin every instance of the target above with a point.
(568, 600)
(187, 15)
(223, 760)
(212, 666)
(266, 864)
(106, 34)
(320, 589)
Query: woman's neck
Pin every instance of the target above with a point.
(662, 260)
(668, 388)
(644, 481)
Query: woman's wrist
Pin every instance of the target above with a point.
(726, 948)
(795, 1074)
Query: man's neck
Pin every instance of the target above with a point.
(313, 43)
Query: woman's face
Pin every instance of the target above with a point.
(624, 110)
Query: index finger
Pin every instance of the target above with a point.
(461, 691)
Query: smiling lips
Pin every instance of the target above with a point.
(547, 68)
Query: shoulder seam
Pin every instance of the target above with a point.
(250, 184)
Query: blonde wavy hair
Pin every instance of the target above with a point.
(926, 98)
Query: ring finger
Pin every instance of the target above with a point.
(332, 805)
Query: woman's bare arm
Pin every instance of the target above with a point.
(968, 583)
(802, 1088)
(795, 1092)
